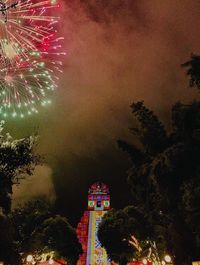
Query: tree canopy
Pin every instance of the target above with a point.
(118, 229)
(165, 178)
(193, 70)
(38, 230)
(56, 234)
(17, 159)
(32, 227)
(27, 220)
(8, 253)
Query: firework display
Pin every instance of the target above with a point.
(24, 89)
(26, 26)
(29, 55)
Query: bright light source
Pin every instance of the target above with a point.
(167, 258)
(144, 261)
(29, 258)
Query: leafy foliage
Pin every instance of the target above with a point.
(27, 220)
(116, 230)
(7, 249)
(150, 131)
(194, 70)
(38, 230)
(56, 234)
(165, 178)
(17, 159)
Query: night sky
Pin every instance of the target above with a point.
(118, 51)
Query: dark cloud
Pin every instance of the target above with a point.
(117, 52)
(107, 12)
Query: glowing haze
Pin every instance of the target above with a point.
(117, 52)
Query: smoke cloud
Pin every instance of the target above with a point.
(117, 52)
(38, 185)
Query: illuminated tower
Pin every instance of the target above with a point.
(98, 204)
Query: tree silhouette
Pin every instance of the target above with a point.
(118, 233)
(26, 221)
(164, 178)
(17, 159)
(8, 253)
(193, 71)
(38, 230)
(56, 234)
